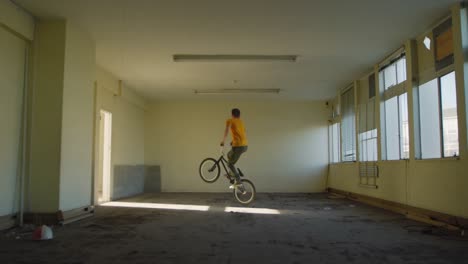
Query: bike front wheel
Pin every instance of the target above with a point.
(209, 170)
(245, 192)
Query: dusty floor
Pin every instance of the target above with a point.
(308, 229)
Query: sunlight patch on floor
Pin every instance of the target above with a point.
(248, 210)
(187, 207)
(190, 207)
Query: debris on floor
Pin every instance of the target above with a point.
(43, 233)
(342, 234)
(20, 232)
(335, 196)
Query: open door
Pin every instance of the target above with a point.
(105, 150)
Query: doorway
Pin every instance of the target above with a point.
(105, 150)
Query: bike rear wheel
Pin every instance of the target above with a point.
(245, 193)
(209, 170)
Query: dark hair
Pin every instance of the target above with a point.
(235, 112)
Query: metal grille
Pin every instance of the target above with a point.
(368, 174)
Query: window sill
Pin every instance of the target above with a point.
(394, 161)
(344, 163)
(439, 159)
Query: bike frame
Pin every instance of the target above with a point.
(223, 162)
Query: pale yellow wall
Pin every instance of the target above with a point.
(46, 109)
(12, 68)
(16, 19)
(438, 184)
(287, 150)
(77, 120)
(127, 120)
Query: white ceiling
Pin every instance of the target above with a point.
(337, 40)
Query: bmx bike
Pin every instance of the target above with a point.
(210, 170)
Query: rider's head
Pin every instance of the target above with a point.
(235, 113)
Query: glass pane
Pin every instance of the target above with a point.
(348, 126)
(371, 115)
(392, 137)
(381, 80)
(449, 115)
(390, 76)
(362, 147)
(404, 128)
(335, 149)
(362, 118)
(372, 149)
(429, 120)
(368, 143)
(330, 142)
(401, 70)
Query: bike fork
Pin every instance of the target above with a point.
(241, 188)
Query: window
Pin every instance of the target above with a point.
(334, 142)
(371, 81)
(404, 126)
(448, 93)
(368, 145)
(348, 126)
(438, 120)
(429, 120)
(395, 129)
(394, 73)
(367, 136)
(392, 137)
(367, 133)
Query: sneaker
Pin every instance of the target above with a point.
(235, 185)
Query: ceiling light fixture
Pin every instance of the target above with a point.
(238, 91)
(228, 58)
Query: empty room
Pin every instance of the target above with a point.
(261, 131)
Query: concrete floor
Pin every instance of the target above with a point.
(308, 229)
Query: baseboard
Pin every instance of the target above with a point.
(43, 218)
(77, 214)
(418, 214)
(7, 221)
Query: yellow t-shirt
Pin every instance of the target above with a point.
(239, 139)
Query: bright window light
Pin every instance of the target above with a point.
(187, 207)
(247, 210)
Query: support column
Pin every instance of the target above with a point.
(460, 50)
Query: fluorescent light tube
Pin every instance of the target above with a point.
(227, 58)
(238, 91)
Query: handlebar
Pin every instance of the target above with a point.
(221, 150)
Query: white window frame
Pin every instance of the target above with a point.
(333, 141)
(387, 94)
(354, 128)
(418, 137)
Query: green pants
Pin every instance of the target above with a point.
(233, 157)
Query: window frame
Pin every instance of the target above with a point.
(332, 141)
(442, 73)
(351, 87)
(386, 94)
